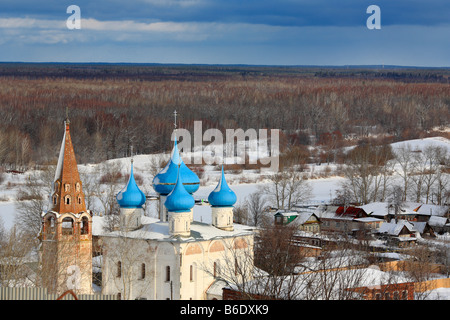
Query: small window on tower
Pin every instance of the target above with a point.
(167, 274)
(78, 187)
(79, 200)
(67, 199)
(55, 199)
(67, 187)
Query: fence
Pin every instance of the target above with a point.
(7, 293)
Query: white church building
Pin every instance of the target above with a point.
(173, 256)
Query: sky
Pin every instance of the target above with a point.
(254, 32)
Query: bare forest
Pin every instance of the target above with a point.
(114, 107)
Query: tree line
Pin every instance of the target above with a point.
(117, 107)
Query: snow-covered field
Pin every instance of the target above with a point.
(323, 189)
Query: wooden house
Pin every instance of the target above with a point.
(305, 220)
(400, 234)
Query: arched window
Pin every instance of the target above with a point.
(67, 226)
(50, 227)
(119, 269)
(67, 187)
(167, 274)
(143, 271)
(216, 269)
(78, 187)
(55, 199)
(67, 199)
(84, 225)
(79, 199)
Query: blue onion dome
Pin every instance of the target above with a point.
(131, 196)
(165, 180)
(179, 200)
(222, 195)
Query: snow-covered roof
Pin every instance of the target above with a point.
(216, 287)
(154, 229)
(419, 226)
(436, 221)
(376, 208)
(368, 219)
(329, 212)
(303, 217)
(394, 229)
(412, 208)
(427, 209)
(59, 165)
(286, 213)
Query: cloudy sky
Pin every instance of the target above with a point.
(270, 32)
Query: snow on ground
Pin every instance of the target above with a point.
(243, 183)
(438, 294)
(421, 144)
(7, 214)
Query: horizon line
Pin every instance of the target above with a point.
(369, 66)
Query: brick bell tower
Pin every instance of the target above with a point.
(67, 228)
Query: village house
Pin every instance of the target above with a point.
(305, 220)
(400, 234)
(349, 220)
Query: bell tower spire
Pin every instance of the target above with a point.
(67, 194)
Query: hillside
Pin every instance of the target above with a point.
(323, 180)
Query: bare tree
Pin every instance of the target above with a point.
(420, 267)
(106, 193)
(89, 181)
(33, 199)
(240, 214)
(396, 201)
(405, 162)
(367, 172)
(256, 205)
(17, 259)
(441, 188)
(266, 269)
(286, 188)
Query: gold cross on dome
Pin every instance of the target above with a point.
(175, 116)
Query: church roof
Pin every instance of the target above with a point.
(155, 229)
(165, 180)
(179, 200)
(222, 195)
(131, 196)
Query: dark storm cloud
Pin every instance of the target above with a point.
(282, 32)
(279, 13)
